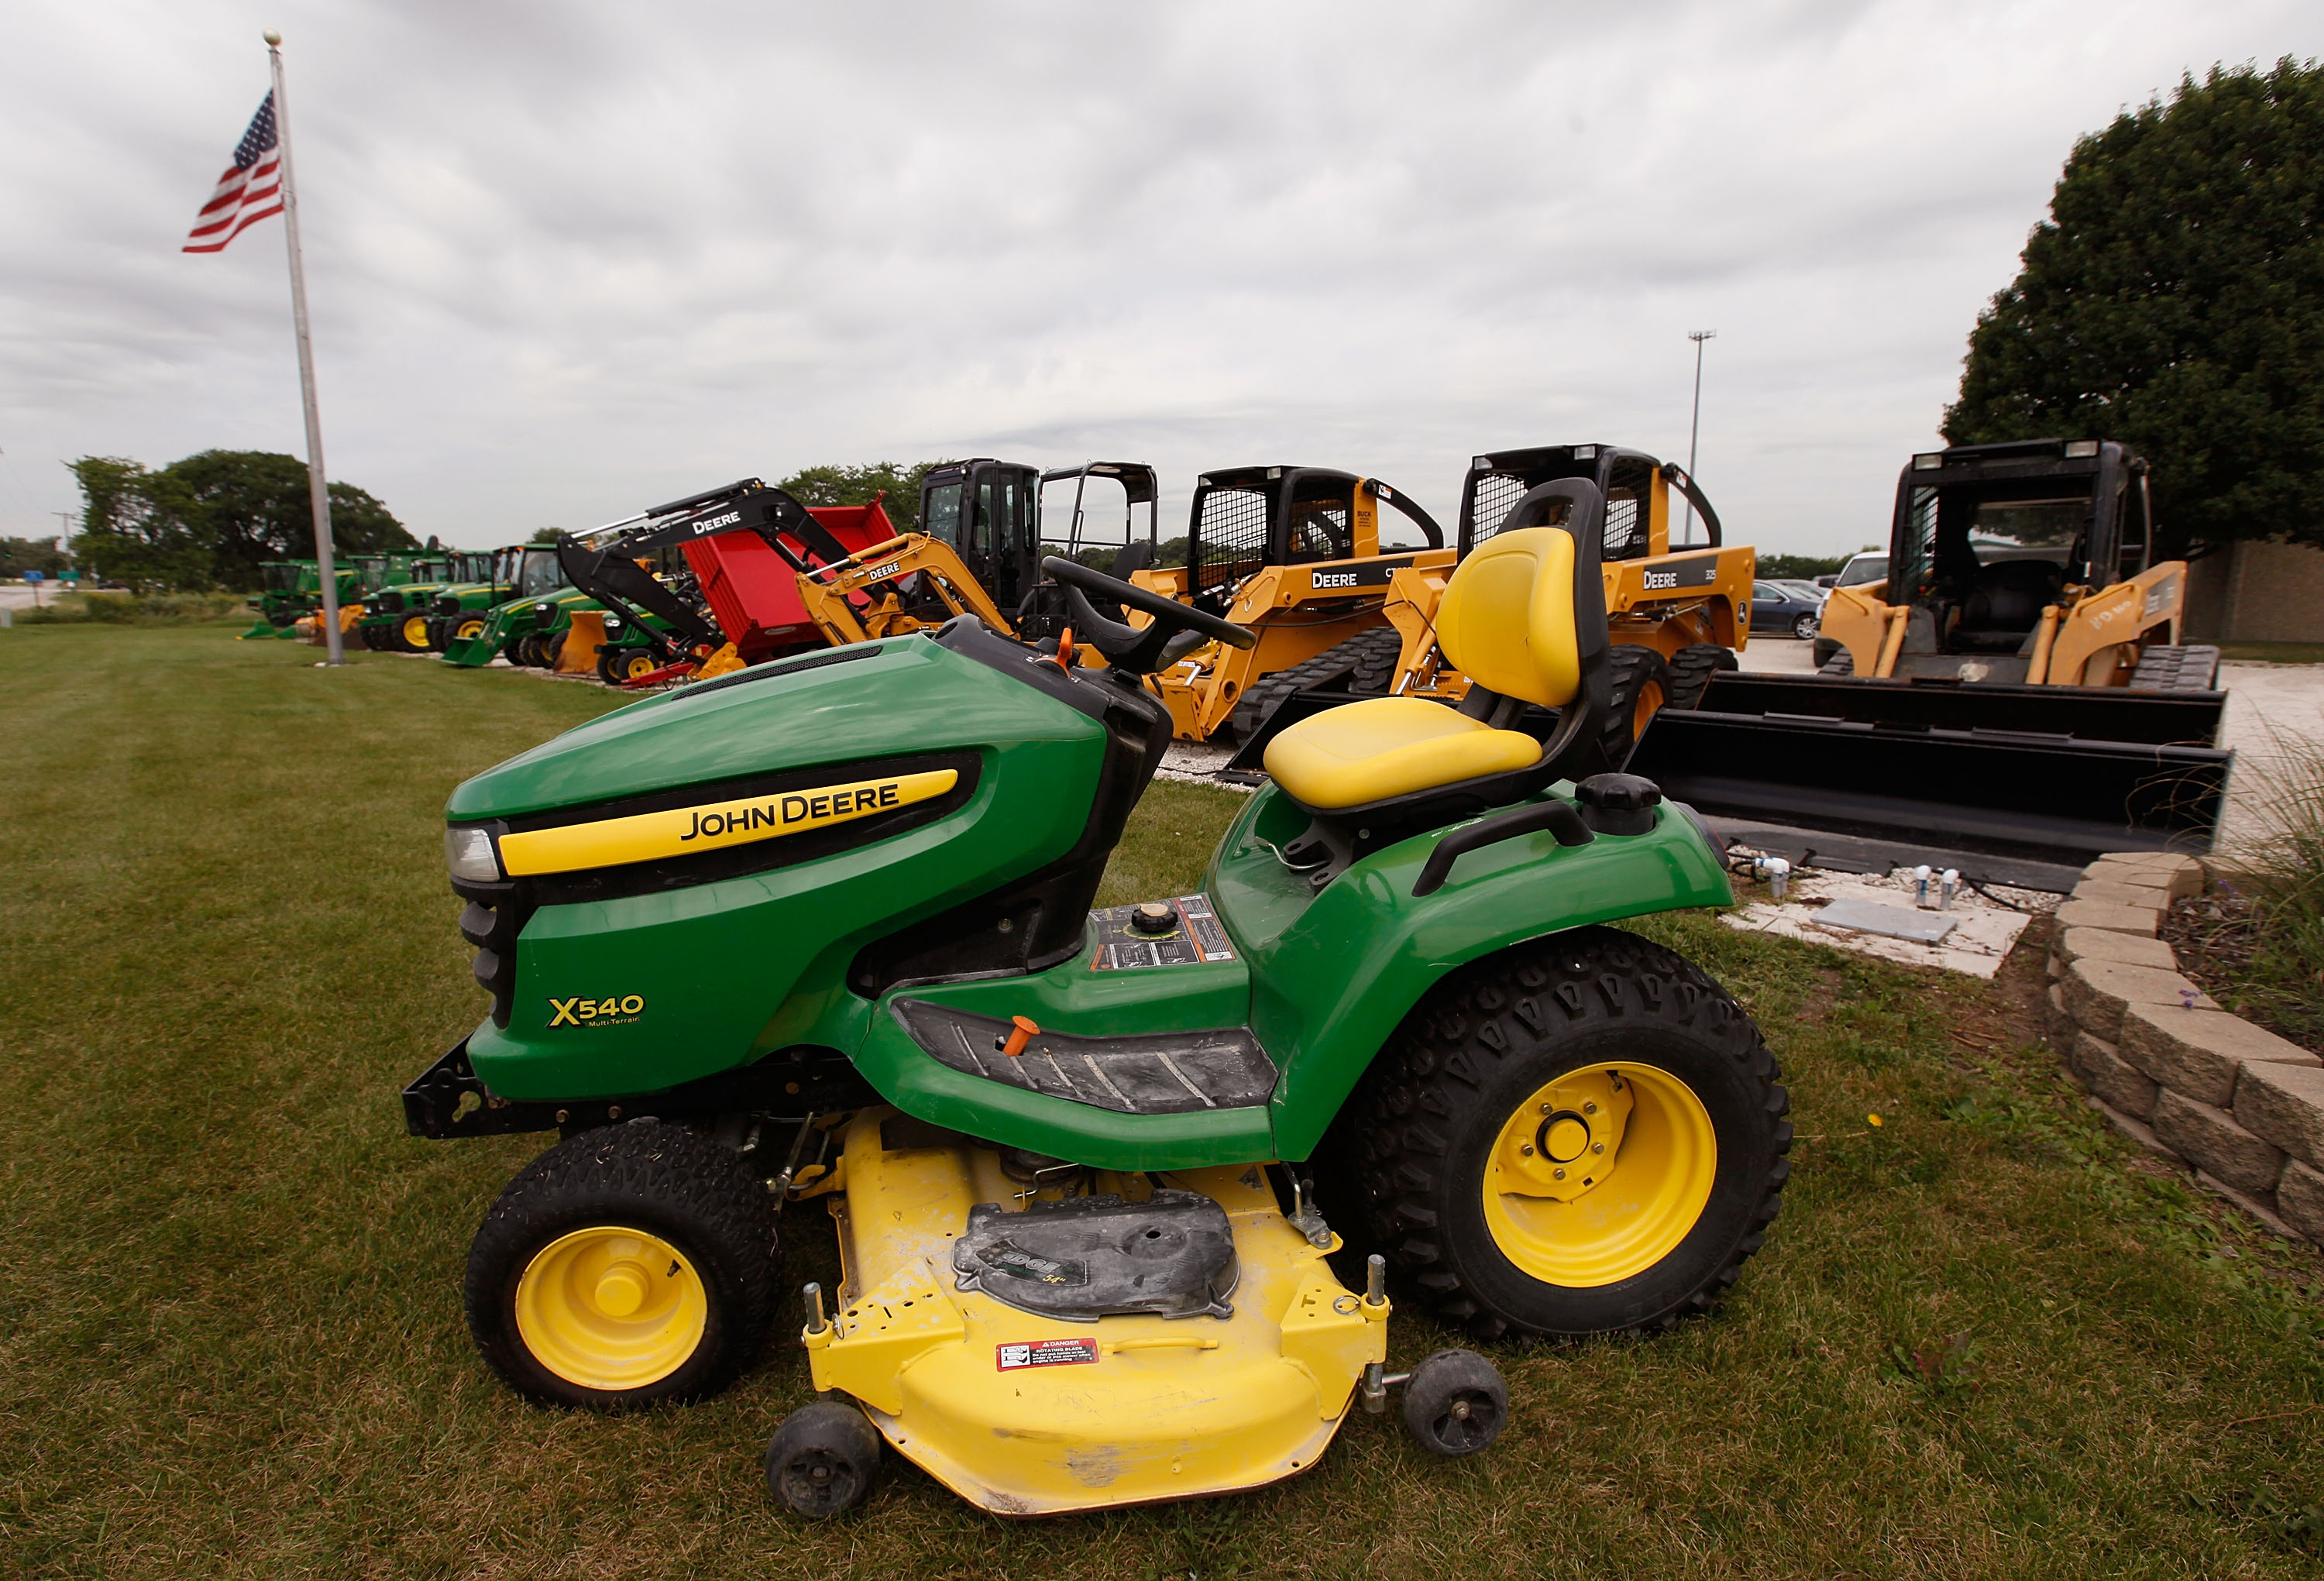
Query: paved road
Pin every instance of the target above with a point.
(15, 596)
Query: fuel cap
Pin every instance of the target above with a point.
(1154, 917)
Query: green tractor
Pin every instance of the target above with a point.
(292, 589)
(528, 631)
(821, 928)
(461, 612)
(396, 620)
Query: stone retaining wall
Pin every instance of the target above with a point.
(2239, 1105)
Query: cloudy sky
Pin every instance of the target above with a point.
(570, 259)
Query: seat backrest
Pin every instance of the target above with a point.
(1506, 618)
(2008, 594)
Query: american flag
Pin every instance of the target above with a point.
(250, 190)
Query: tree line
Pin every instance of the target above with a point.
(213, 519)
(2173, 300)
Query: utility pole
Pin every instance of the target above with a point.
(1694, 429)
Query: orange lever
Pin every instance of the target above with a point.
(1020, 1033)
(1065, 649)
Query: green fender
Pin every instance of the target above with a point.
(1323, 981)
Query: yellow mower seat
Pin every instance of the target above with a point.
(1388, 747)
(1507, 622)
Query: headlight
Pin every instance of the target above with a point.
(469, 853)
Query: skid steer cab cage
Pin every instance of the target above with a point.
(1676, 593)
(2011, 700)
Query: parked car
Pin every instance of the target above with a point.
(1871, 566)
(1787, 611)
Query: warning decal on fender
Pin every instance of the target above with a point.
(1044, 1353)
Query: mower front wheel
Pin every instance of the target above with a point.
(824, 1460)
(1455, 1404)
(623, 1267)
(1580, 1135)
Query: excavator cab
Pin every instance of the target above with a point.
(989, 513)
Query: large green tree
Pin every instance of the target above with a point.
(214, 517)
(2174, 301)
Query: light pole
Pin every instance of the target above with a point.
(1694, 429)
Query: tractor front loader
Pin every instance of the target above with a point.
(1293, 555)
(1676, 615)
(2012, 701)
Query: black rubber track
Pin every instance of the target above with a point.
(1634, 666)
(648, 1175)
(1358, 656)
(1691, 669)
(2190, 667)
(1424, 1120)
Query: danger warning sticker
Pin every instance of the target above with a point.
(1044, 1353)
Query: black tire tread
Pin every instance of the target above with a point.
(652, 1175)
(1440, 1060)
(1691, 669)
(1354, 658)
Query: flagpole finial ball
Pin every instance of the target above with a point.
(271, 37)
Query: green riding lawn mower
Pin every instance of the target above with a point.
(820, 929)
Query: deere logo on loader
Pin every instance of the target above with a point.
(645, 837)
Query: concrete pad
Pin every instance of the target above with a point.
(2097, 991)
(2273, 710)
(1981, 933)
(2120, 919)
(2300, 1199)
(2103, 1072)
(2098, 944)
(2200, 1053)
(2211, 1141)
(2283, 1105)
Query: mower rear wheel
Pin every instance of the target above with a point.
(1580, 1135)
(625, 1266)
(1455, 1404)
(824, 1460)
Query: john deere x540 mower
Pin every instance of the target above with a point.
(821, 929)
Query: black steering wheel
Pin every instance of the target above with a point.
(1176, 630)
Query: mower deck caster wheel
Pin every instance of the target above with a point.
(1455, 1404)
(823, 1461)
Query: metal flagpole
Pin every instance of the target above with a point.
(1693, 432)
(318, 492)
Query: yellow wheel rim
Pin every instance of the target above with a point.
(415, 632)
(611, 1307)
(642, 664)
(470, 631)
(1600, 1175)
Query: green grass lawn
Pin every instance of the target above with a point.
(1984, 1339)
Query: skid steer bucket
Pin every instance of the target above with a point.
(577, 654)
(2015, 784)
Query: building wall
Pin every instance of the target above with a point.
(2256, 593)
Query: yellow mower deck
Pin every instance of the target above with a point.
(1032, 1415)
